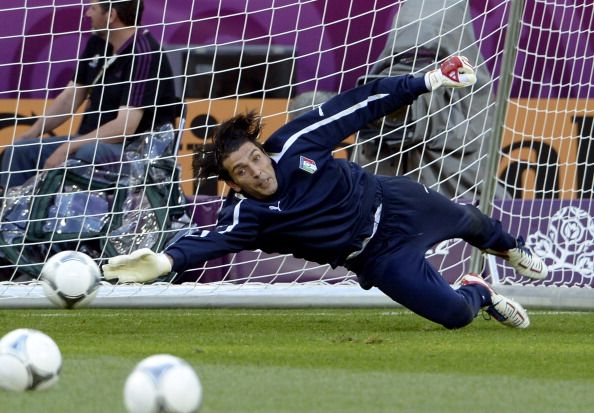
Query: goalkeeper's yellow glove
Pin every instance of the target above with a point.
(140, 266)
(455, 71)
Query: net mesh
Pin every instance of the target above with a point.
(280, 57)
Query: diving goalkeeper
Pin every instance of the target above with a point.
(290, 195)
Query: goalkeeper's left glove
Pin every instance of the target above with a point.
(455, 71)
(141, 266)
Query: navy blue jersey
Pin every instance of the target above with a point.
(323, 208)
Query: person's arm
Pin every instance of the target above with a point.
(145, 265)
(236, 230)
(347, 113)
(352, 110)
(59, 111)
(125, 124)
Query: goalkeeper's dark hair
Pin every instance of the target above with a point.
(228, 138)
(129, 11)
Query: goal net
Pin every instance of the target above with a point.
(518, 143)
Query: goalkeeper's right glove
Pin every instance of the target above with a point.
(455, 71)
(141, 266)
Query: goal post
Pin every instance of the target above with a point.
(518, 143)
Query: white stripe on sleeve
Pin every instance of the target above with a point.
(229, 228)
(314, 126)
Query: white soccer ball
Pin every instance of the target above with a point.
(70, 279)
(29, 360)
(163, 383)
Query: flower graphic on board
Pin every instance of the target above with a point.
(568, 242)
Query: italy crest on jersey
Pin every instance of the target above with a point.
(308, 165)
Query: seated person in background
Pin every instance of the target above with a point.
(121, 76)
(290, 195)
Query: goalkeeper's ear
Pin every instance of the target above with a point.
(456, 72)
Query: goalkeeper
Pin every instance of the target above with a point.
(290, 195)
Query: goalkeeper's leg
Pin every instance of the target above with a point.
(408, 279)
(432, 218)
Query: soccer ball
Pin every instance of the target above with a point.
(162, 383)
(70, 279)
(29, 360)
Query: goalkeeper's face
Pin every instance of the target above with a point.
(251, 171)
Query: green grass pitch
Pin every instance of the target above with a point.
(319, 360)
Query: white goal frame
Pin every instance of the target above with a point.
(531, 168)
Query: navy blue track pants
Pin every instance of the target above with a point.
(413, 219)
